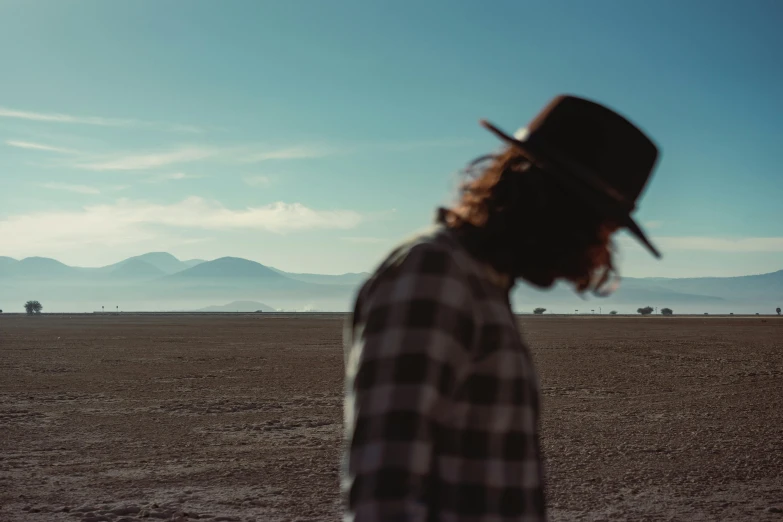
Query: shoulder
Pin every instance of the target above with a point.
(429, 258)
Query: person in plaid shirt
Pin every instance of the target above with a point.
(441, 394)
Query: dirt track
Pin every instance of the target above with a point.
(117, 418)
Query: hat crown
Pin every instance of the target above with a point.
(594, 137)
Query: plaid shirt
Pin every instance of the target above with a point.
(442, 400)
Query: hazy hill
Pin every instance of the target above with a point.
(135, 268)
(193, 262)
(163, 261)
(160, 281)
(744, 288)
(323, 279)
(36, 268)
(239, 306)
(227, 268)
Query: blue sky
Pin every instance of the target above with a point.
(311, 136)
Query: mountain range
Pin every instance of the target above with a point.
(158, 281)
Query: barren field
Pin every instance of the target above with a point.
(238, 417)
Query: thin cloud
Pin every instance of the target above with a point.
(173, 176)
(242, 155)
(149, 161)
(712, 244)
(257, 181)
(80, 189)
(298, 152)
(39, 146)
(364, 239)
(652, 225)
(129, 222)
(90, 120)
(424, 144)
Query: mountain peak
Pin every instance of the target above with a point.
(230, 267)
(162, 261)
(136, 268)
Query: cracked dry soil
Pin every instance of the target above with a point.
(119, 418)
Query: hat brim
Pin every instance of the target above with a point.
(606, 200)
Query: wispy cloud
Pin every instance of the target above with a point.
(287, 153)
(172, 176)
(39, 146)
(403, 146)
(129, 221)
(229, 155)
(364, 239)
(151, 160)
(712, 244)
(81, 189)
(257, 181)
(90, 120)
(653, 225)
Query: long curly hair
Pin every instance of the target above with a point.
(514, 215)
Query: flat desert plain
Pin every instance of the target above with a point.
(238, 417)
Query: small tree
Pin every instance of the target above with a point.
(613, 312)
(33, 307)
(777, 310)
(539, 311)
(647, 310)
(667, 311)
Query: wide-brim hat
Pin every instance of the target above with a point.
(593, 151)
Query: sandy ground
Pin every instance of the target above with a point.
(237, 418)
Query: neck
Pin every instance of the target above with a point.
(480, 247)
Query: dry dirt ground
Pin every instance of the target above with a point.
(210, 417)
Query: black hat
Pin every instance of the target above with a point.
(593, 150)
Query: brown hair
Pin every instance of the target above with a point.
(513, 215)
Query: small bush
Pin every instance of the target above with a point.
(539, 311)
(33, 307)
(667, 311)
(647, 310)
(613, 312)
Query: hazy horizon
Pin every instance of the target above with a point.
(366, 271)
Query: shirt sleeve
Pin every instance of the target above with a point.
(412, 329)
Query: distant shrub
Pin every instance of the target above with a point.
(757, 313)
(776, 309)
(667, 311)
(706, 313)
(33, 307)
(647, 310)
(613, 312)
(539, 311)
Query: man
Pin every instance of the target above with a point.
(442, 398)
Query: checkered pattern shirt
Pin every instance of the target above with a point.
(441, 398)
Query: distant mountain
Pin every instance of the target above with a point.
(239, 306)
(163, 261)
(35, 268)
(135, 268)
(227, 268)
(193, 262)
(323, 279)
(160, 281)
(743, 288)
